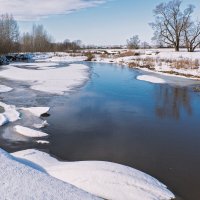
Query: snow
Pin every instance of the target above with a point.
(34, 64)
(42, 142)
(28, 181)
(55, 81)
(67, 58)
(4, 88)
(104, 179)
(29, 132)
(41, 125)
(10, 114)
(42, 56)
(151, 79)
(3, 119)
(37, 111)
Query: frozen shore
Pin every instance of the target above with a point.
(23, 180)
(107, 180)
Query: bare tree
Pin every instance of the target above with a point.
(145, 45)
(37, 41)
(170, 22)
(9, 34)
(27, 42)
(134, 42)
(192, 36)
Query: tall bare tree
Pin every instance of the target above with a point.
(170, 22)
(192, 36)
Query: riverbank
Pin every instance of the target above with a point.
(163, 61)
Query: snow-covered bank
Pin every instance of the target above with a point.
(103, 179)
(29, 181)
(55, 81)
(58, 57)
(151, 79)
(165, 61)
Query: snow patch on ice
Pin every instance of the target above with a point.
(104, 179)
(29, 132)
(41, 125)
(42, 142)
(4, 88)
(67, 59)
(35, 64)
(151, 79)
(9, 115)
(37, 111)
(55, 81)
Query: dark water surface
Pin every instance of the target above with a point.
(114, 117)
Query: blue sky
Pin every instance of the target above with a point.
(110, 22)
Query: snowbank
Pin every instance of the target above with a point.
(10, 114)
(151, 79)
(37, 111)
(29, 132)
(55, 81)
(4, 88)
(103, 179)
(19, 181)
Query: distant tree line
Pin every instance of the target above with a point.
(38, 40)
(9, 34)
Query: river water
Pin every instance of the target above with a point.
(114, 117)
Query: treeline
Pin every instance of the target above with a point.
(38, 40)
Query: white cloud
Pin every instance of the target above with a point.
(36, 9)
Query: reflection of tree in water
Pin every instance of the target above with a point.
(171, 101)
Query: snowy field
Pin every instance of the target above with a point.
(44, 177)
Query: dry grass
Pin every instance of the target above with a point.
(143, 63)
(128, 54)
(185, 64)
(150, 63)
(104, 55)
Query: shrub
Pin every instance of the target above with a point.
(90, 56)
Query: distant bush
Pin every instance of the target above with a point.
(90, 56)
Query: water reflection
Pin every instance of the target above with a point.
(171, 101)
